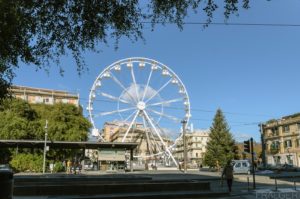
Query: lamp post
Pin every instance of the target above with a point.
(184, 144)
(263, 146)
(45, 146)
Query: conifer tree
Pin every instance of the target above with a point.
(221, 145)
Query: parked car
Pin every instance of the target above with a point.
(5, 167)
(88, 164)
(241, 166)
(288, 167)
(279, 167)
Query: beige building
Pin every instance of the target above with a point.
(196, 142)
(281, 138)
(115, 131)
(46, 96)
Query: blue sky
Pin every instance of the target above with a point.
(250, 72)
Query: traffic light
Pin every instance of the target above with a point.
(247, 147)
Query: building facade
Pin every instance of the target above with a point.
(196, 142)
(44, 96)
(282, 140)
(115, 131)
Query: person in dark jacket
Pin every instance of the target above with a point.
(228, 174)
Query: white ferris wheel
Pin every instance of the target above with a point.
(140, 92)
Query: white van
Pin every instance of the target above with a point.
(241, 166)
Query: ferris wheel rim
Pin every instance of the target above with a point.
(148, 61)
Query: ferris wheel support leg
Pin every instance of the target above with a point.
(137, 113)
(147, 137)
(157, 133)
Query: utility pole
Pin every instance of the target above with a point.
(45, 146)
(184, 145)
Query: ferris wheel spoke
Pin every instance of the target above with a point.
(114, 98)
(165, 115)
(147, 85)
(123, 87)
(165, 102)
(127, 131)
(147, 136)
(135, 84)
(116, 111)
(130, 116)
(158, 134)
(159, 90)
(155, 146)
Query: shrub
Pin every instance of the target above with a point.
(58, 167)
(23, 162)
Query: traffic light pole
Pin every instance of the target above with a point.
(253, 168)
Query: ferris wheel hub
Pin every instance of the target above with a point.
(141, 105)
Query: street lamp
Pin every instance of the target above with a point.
(45, 146)
(263, 146)
(184, 144)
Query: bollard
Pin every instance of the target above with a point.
(275, 184)
(295, 183)
(6, 184)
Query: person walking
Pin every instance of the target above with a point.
(228, 174)
(69, 165)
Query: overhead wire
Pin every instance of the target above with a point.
(233, 123)
(229, 24)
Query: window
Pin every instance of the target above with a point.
(286, 129)
(196, 155)
(275, 145)
(287, 143)
(65, 100)
(289, 159)
(276, 159)
(237, 165)
(275, 131)
(245, 164)
(298, 126)
(38, 99)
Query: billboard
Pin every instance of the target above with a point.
(111, 155)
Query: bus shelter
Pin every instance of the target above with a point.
(105, 149)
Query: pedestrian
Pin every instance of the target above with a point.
(51, 167)
(228, 174)
(69, 165)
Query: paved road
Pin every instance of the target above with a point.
(241, 188)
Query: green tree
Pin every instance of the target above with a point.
(65, 121)
(20, 120)
(38, 32)
(221, 145)
(16, 120)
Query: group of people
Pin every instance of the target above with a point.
(73, 167)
